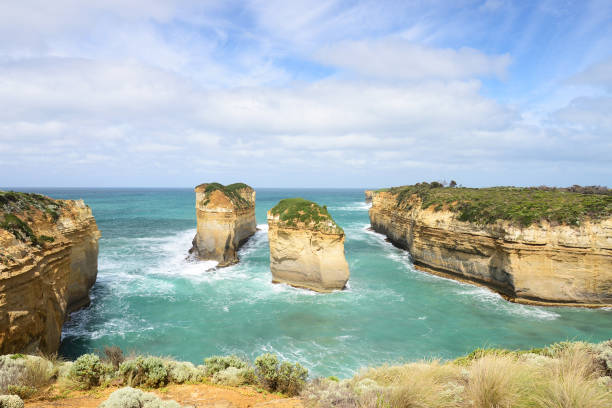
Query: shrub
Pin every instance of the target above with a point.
(114, 355)
(133, 398)
(284, 377)
(266, 369)
(234, 377)
(11, 371)
(87, 370)
(11, 401)
(181, 372)
(23, 391)
(291, 378)
(325, 393)
(215, 364)
(148, 371)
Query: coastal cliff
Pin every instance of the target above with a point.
(306, 246)
(552, 248)
(225, 220)
(368, 195)
(48, 263)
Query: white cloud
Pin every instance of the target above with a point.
(395, 58)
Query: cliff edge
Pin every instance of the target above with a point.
(534, 246)
(306, 246)
(48, 263)
(225, 220)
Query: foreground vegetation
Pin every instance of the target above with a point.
(563, 375)
(293, 211)
(520, 205)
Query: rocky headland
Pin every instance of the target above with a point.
(532, 245)
(306, 246)
(225, 220)
(48, 263)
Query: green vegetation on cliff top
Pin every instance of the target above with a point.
(13, 203)
(292, 211)
(231, 191)
(520, 205)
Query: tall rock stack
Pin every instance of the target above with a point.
(48, 263)
(306, 246)
(225, 220)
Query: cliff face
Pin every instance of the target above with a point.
(48, 263)
(307, 255)
(225, 220)
(538, 264)
(368, 195)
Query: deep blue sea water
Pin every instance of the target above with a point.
(150, 299)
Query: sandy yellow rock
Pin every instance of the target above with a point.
(225, 221)
(305, 256)
(539, 264)
(39, 285)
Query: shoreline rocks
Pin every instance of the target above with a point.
(540, 264)
(225, 220)
(306, 246)
(48, 263)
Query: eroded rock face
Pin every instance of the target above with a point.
(226, 219)
(307, 254)
(45, 272)
(368, 196)
(539, 264)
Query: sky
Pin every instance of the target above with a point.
(326, 93)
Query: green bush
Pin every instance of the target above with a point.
(87, 370)
(22, 391)
(148, 371)
(215, 364)
(180, 372)
(266, 369)
(234, 377)
(291, 378)
(284, 377)
(133, 398)
(11, 401)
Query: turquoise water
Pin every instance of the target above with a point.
(150, 299)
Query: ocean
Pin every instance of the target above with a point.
(149, 298)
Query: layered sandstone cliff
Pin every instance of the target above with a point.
(225, 220)
(48, 263)
(541, 263)
(306, 246)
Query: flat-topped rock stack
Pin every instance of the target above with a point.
(368, 195)
(306, 246)
(225, 220)
(48, 263)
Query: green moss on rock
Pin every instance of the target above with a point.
(293, 211)
(520, 205)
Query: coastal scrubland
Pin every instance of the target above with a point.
(292, 211)
(231, 191)
(520, 205)
(562, 375)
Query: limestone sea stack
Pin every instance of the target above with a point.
(368, 195)
(532, 245)
(306, 246)
(48, 263)
(225, 220)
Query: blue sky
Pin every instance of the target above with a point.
(305, 94)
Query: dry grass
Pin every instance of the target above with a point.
(565, 375)
(571, 382)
